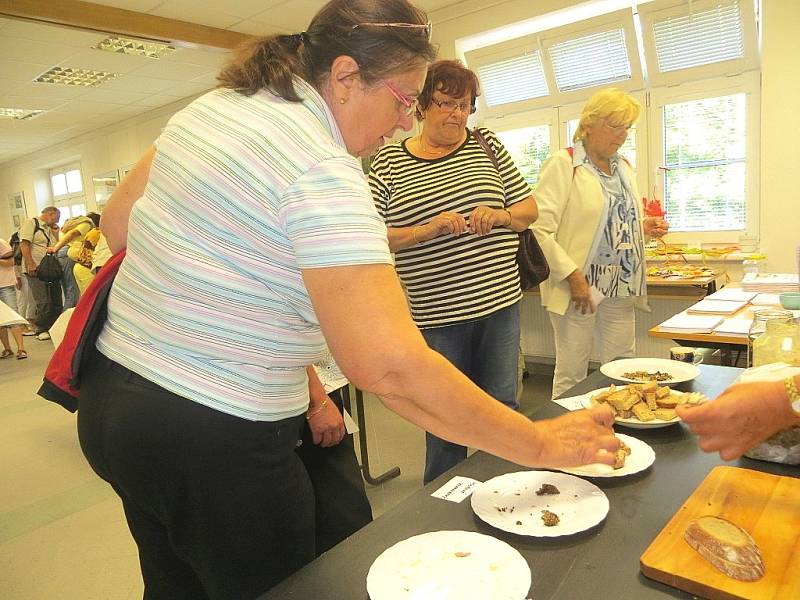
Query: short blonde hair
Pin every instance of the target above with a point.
(608, 103)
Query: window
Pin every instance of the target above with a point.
(529, 147)
(514, 79)
(593, 60)
(67, 187)
(704, 156)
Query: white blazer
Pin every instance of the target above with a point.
(571, 205)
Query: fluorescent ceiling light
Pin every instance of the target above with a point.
(19, 114)
(67, 76)
(120, 45)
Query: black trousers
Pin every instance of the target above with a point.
(341, 503)
(220, 507)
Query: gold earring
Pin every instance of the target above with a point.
(342, 100)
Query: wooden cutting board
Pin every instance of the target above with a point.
(766, 506)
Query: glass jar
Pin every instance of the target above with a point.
(759, 326)
(750, 265)
(779, 343)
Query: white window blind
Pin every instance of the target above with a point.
(705, 153)
(596, 59)
(699, 38)
(514, 79)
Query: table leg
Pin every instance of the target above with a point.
(362, 445)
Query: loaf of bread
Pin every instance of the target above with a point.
(726, 546)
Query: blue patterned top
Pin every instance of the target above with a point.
(617, 267)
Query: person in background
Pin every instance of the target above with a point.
(68, 250)
(453, 220)
(36, 236)
(26, 305)
(84, 257)
(101, 253)
(744, 415)
(341, 506)
(8, 296)
(592, 232)
(193, 404)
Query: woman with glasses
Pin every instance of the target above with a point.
(252, 240)
(592, 230)
(453, 219)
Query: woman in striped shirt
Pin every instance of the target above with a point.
(453, 219)
(250, 231)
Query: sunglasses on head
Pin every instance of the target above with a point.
(426, 28)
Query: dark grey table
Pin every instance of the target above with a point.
(602, 563)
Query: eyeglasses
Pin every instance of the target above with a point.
(450, 106)
(409, 103)
(426, 28)
(619, 128)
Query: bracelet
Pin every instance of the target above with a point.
(793, 393)
(318, 410)
(510, 216)
(414, 234)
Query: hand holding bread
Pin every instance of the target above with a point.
(579, 438)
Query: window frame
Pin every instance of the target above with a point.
(66, 202)
(747, 83)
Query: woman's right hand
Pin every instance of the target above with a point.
(577, 438)
(580, 292)
(445, 223)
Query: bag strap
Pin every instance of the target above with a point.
(37, 227)
(486, 148)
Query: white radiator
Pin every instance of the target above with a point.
(537, 333)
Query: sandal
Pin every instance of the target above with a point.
(6, 354)
(22, 354)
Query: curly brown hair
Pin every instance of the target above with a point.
(449, 77)
(341, 27)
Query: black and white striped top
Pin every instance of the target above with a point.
(451, 279)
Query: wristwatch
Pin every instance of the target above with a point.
(793, 393)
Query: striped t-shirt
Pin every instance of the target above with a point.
(451, 279)
(243, 193)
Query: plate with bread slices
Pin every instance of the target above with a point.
(643, 370)
(642, 405)
(633, 456)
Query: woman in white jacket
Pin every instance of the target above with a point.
(592, 230)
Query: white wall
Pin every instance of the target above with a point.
(780, 132)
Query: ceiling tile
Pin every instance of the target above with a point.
(41, 103)
(175, 71)
(110, 96)
(136, 84)
(195, 56)
(12, 70)
(188, 88)
(51, 91)
(51, 34)
(155, 101)
(198, 13)
(247, 8)
(291, 15)
(33, 51)
(98, 60)
(142, 6)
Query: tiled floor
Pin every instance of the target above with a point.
(62, 531)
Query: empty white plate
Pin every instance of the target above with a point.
(449, 565)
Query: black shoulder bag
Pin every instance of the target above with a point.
(533, 267)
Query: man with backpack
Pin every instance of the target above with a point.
(36, 236)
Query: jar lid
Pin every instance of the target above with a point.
(769, 314)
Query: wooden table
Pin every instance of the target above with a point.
(687, 287)
(601, 563)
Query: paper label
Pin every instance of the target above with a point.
(456, 489)
(571, 403)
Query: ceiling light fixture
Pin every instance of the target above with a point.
(68, 76)
(120, 45)
(19, 114)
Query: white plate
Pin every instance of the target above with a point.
(586, 400)
(641, 457)
(509, 502)
(427, 567)
(680, 371)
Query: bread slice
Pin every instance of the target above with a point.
(642, 412)
(665, 414)
(726, 546)
(670, 401)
